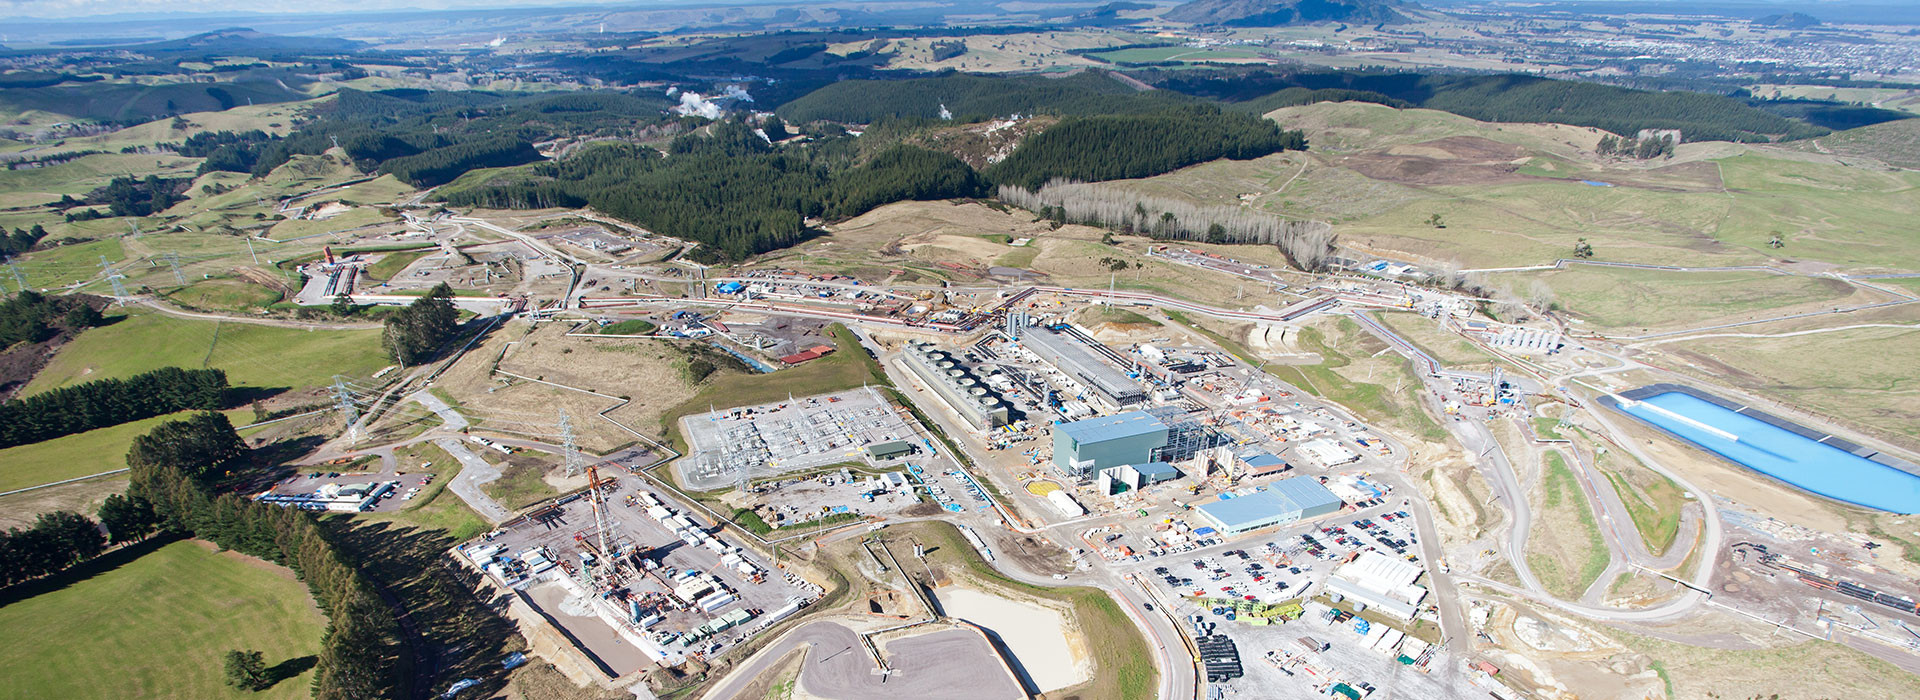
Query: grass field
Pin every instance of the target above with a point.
(63, 265)
(1180, 53)
(1863, 376)
(392, 263)
(1512, 194)
(1637, 300)
(632, 326)
(1095, 315)
(352, 219)
(252, 355)
(158, 627)
(1565, 550)
(81, 454)
(225, 295)
(86, 173)
(1895, 143)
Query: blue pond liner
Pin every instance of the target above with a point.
(1781, 454)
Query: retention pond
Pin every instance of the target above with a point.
(1780, 453)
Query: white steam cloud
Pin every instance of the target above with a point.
(694, 104)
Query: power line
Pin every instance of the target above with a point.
(173, 261)
(114, 276)
(572, 449)
(347, 408)
(18, 277)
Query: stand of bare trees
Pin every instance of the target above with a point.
(1307, 244)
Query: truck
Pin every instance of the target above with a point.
(1313, 644)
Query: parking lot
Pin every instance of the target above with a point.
(318, 488)
(1286, 565)
(1292, 568)
(743, 444)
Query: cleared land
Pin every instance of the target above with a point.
(1564, 549)
(252, 355)
(158, 626)
(926, 241)
(1652, 500)
(1450, 349)
(1803, 670)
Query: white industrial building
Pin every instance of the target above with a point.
(1380, 582)
(1064, 501)
(1328, 453)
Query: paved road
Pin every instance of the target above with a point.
(474, 471)
(837, 666)
(454, 421)
(254, 320)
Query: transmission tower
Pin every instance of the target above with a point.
(114, 277)
(345, 398)
(173, 261)
(572, 448)
(18, 277)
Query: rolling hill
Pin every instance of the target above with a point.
(1274, 13)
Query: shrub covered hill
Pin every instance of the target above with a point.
(1276, 13)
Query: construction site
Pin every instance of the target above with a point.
(634, 580)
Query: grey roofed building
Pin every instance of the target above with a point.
(1078, 361)
(1283, 501)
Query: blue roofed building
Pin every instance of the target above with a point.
(1278, 503)
(1261, 463)
(1084, 447)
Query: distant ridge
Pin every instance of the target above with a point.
(1274, 13)
(243, 39)
(1791, 20)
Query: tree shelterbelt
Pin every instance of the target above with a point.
(98, 404)
(56, 541)
(414, 333)
(202, 445)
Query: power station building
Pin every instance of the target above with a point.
(1278, 503)
(967, 395)
(1084, 447)
(1079, 362)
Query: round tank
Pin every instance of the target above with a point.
(955, 373)
(977, 391)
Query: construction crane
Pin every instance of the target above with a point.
(603, 564)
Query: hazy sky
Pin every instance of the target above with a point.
(82, 8)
